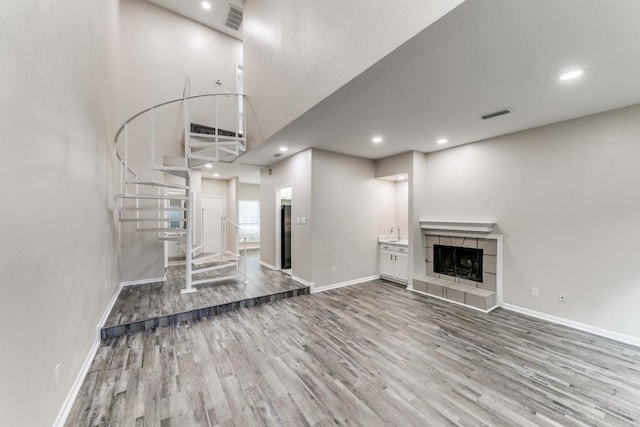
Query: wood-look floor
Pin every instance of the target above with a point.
(371, 354)
(152, 300)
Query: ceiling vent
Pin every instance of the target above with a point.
(234, 18)
(496, 114)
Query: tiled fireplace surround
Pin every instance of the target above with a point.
(480, 295)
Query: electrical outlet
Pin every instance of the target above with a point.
(534, 291)
(562, 297)
(56, 376)
(333, 269)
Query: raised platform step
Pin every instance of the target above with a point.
(159, 184)
(196, 314)
(472, 296)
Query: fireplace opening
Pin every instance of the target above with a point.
(465, 263)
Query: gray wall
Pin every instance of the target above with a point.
(295, 172)
(158, 49)
(289, 43)
(58, 257)
(350, 208)
(401, 211)
(248, 191)
(346, 207)
(565, 197)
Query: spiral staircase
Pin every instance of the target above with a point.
(156, 195)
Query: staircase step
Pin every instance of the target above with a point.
(173, 238)
(152, 209)
(150, 220)
(211, 150)
(213, 158)
(209, 258)
(212, 144)
(163, 230)
(150, 197)
(160, 184)
(212, 268)
(181, 171)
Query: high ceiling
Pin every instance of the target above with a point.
(214, 17)
(484, 56)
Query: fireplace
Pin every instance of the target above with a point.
(465, 263)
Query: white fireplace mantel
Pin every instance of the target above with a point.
(471, 227)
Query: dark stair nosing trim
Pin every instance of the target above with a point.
(196, 314)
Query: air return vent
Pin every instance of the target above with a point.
(234, 17)
(496, 114)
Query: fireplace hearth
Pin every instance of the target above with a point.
(465, 263)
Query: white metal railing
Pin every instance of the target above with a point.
(223, 239)
(204, 154)
(239, 132)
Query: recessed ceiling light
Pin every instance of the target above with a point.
(442, 141)
(205, 5)
(376, 139)
(283, 149)
(208, 165)
(215, 175)
(402, 177)
(571, 75)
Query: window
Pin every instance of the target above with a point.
(249, 219)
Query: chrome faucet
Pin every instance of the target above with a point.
(397, 228)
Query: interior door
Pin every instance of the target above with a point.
(285, 229)
(211, 224)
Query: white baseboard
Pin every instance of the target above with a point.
(343, 284)
(454, 302)
(75, 388)
(107, 311)
(303, 282)
(269, 266)
(144, 281)
(61, 419)
(627, 339)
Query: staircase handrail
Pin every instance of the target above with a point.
(162, 104)
(244, 240)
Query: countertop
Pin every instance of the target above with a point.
(393, 240)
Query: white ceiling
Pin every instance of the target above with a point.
(213, 18)
(245, 174)
(483, 56)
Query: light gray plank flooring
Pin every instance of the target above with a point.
(141, 302)
(372, 354)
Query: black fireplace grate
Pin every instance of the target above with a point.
(465, 263)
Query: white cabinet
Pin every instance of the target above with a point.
(402, 267)
(393, 261)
